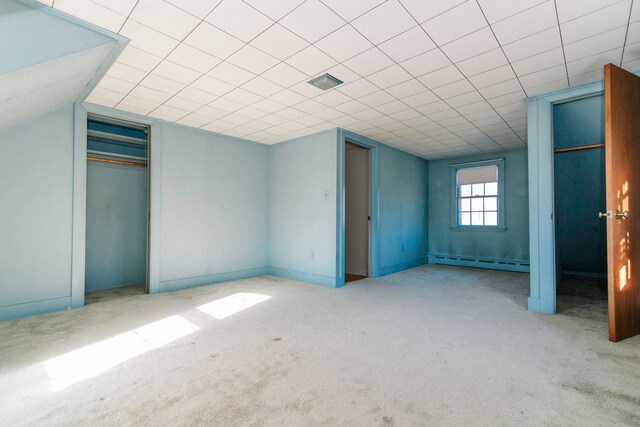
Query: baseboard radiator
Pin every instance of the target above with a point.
(492, 264)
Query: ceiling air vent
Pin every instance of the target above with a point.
(325, 81)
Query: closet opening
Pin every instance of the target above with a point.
(580, 193)
(356, 210)
(117, 227)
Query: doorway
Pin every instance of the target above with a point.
(357, 190)
(117, 209)
(579, 194)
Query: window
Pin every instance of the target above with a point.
(479, 195)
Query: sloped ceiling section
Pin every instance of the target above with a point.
(48, 60)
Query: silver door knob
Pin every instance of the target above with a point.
(606, 215)
(620, 215)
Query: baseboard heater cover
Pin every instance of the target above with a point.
(495, 264)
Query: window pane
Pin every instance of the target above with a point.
(478, 190)
(490, 203)
(476, 204)
(491, 218)
(465, 190)
(465, 219)
(491, 189)
(477, 218)
(465, 205)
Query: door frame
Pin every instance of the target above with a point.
(79, 217)
(373, 147)
(542, 239)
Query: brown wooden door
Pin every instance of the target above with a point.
(622, 152)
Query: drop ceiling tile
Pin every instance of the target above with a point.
(408, 44)
(164, 17)
(389, 77)
(571, 9)
(558, 72)
(310, 120)
(143, 106)
(232, 74)
(107, 94)
(377, 98)
(252, 59)
(162, 84)
(633, 33)
(213, 41)
(635, 12)
(198, 8)
(508, 99)
(423, 10)
(226, 104)
(426, 63)
(526, 23)
(242, 96)
(197, 95)
(453, 89)
(268, 106)
(275, 9)
(290, 113)
(473, 44)
(279, 42)
(211, 113)
(251, 113)
(406, 89)
(441, 77)
(262, 86)
(173, 71)
(588, 77)
(464, 99)
(368, 114)
(310, 106)
(394, 106)
(539, 62)
(168, 113)
(351, 107)
(148, 39)
(123, 7)
(211, 85)
(139, 58)
(595, 62)
(239, 19)
(467, 18)
(284, 75)
(193, 58)
(350, 10)
(312, 20)
(116, 85)
(384, 22)
(343, 43)
(500, 89)
(492, 77)
(311, 61)
(358, 88)
(273, 120)
(540, 42)
(597, 22)
(332, 98)
(369, 62)
(287, 97)
(482, 63)
(194, 120)
(497, 10)
(342, 73)
(596, 44)
(306, 90)
(126, 73)
(420, 99)
(548, 87)
(183, 104)
(93, 12)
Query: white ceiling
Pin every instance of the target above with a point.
(434, 78)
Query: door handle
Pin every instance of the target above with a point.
(606, 215)
(620, 215)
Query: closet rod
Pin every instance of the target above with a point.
(578, 148)
(117, 162)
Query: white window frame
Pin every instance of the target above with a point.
(455, 196)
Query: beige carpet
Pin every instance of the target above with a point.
(433, 345)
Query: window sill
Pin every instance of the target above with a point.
(476, 228)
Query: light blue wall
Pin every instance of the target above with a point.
(214, 192)
(116, 242)
(41, 35)
(302, 208)
(510, 244)
(36, 172)
(403, 187)
(580, 186)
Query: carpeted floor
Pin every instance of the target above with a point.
(434, 345)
